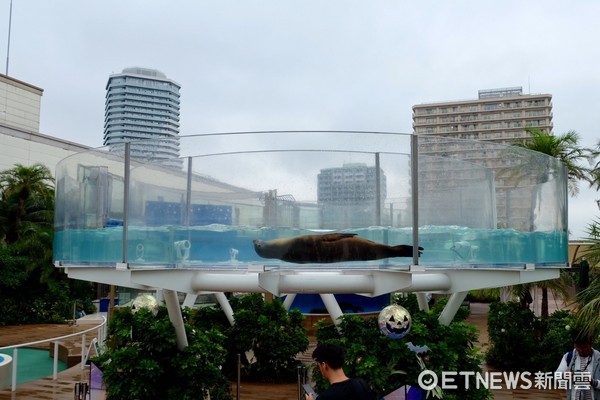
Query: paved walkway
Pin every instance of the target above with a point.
(62, 389)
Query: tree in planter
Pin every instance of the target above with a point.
(142, 360)
(264, 330)
(388, 364)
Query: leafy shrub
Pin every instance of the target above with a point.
(388, 364)
(556, 340)
(142, 360)
(513, 333)
(520, 341)
(265, 331)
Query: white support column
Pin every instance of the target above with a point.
(289, 299)
(454, 302)
(422, 300)
(225, 306)
(190, 300)
(175, 316)
(333, 308)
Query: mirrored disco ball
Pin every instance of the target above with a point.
(145, 300)
(394, 321)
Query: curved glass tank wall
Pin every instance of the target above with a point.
(478, 204)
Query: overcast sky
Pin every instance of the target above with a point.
(291, 65)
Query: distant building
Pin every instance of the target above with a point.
(143, 104)
(20, 140)
(19, 104)
(497, 115)
(348, 195)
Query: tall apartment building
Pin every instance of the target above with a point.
(498, 115)
(143, 103)
(348, 195)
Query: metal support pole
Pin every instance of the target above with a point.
(333, 308)
(301, 381)
(414, 178)
(126, 182)
(377, 191)
(9, 29)
(289, 300)
(188, 194)
(422, 301)
(225, 306)
(176, 317)
(449, 311)
(239, 374)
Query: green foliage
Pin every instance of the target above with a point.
(265, 331)
(388, 364)
(556, 340)
(520, 341)
(513, 337)
(32, 290)
(142, 355)
(483, 295)
(408, 301)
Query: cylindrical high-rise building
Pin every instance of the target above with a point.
(142, 107)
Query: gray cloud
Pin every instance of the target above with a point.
(260, 65)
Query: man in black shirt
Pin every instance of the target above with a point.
(330, 360)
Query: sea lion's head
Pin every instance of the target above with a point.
(270, 249)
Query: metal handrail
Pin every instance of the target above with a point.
(101, 334)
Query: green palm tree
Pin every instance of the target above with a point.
(577, 160)
(567, 149)
(26, 195)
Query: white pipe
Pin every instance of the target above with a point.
(326, 283)
(333, 308)
(226, 283)
(289, 299)
(429, 283)
(449, 311)
(225, 306)
(313, 282)
(176, 317)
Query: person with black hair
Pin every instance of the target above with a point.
(329, 358)
(582, 361)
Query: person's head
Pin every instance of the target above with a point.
(583, 344)
(329, 353)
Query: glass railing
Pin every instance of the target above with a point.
(472, 203)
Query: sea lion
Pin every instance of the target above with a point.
(328, 248)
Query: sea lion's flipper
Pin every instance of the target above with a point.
(333, 237)
(404, 251)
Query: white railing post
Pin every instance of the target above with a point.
(83, 360)
(100, 332)
(55, 368)
(13, 386)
